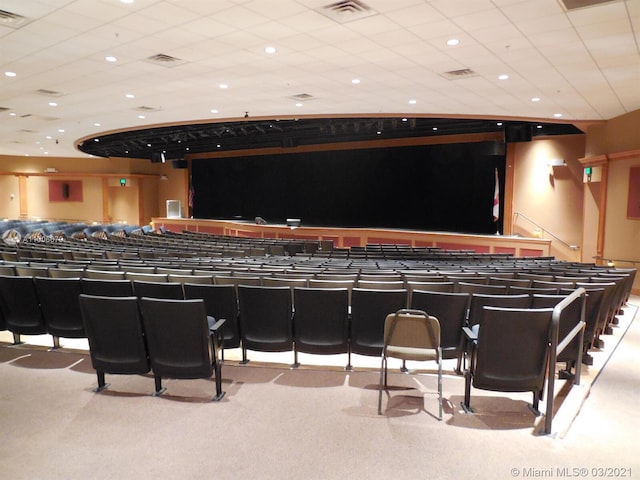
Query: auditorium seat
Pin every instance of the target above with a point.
(451, 311)
(369, 309)
(20, 307)
(59, 304)
(107, 288)
(181, 340)
(321, 321)
(265, 319)
(510, 353)
(115, 332)
(167, 290)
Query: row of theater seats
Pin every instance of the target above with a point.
(130, 335)
(346, 321)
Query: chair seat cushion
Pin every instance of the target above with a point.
(411, 353)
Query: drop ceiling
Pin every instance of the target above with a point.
(203, 62)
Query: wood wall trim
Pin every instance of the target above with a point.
(624, 155)
(105, 200)
(349, 237)
(22, 187)
(602, 217)
(81, 174)
(509, 181)
(594, 161)
(389, 143)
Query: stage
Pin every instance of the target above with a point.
(359, 237)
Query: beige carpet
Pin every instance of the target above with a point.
(317, 422)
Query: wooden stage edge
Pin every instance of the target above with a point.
(359, 237)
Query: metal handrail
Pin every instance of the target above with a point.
(615, 260)
(517, 214)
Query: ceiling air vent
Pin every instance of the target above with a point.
(12, 20)
(575, 4)
(457, 74)
(49, 93)
(347, 11)
(4, 109)
(26, 130)
(164, 60)
(144, 108)
(302, 97)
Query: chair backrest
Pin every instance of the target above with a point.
(66, 272)
(59, 303)
(177, 334)
(479, 301)
(107, 288)
(411, 329)
(147, 277)
(205, 279)
(221, 302)
(265, 318)
(513, 282)
(29, 271)
(464, 287)
(450, 309)
(321, 320)
(369, 309)
(115, 333)
(104, 274)
(20, 305)
(158, 290)
(512, 348)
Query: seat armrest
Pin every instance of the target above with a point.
(470, 334)
(217, 326)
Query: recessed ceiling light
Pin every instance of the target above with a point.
(404, 119)
(48, 137)
(10, 74)
(53, 104)
(452, 42)
(270, 50)
(538, 126)
(61, 130)
(355, 81)
(96, 124)
(557, 115)
(218, 145)
(503, 76)
(223, 85)
(412, 102)
(499, 124)
(148, 144)
(110, 58)
(12, 114)
(535, 99)
(434, 128)
(130, 95)
(141, 117)
(126, 1)
(96, 139)
(214, 110)
(298, 104)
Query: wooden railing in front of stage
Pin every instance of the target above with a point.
(356, 237)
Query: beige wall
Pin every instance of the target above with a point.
(619, 134)
(621, 234)
(9, 197)
(136, 203)
(175, 187)
(550, 197)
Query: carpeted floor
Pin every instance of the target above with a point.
(316, 422)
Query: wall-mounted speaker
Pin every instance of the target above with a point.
(179, 163)
(65, 190)
(518, 132)
(158, 157)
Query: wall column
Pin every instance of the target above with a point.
(22, 187)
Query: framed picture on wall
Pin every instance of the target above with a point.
(633, 205)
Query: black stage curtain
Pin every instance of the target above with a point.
(434, 187)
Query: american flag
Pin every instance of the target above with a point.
(496, 199)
